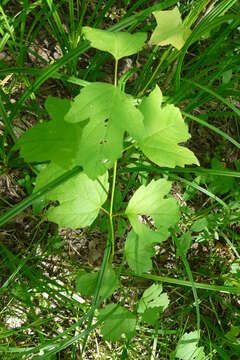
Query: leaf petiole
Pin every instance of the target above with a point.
(113, 184)
(115, 73)
(111, 210)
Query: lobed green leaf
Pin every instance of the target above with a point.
(187, 347)
(110, 112)
(55, 140)
(149, 201)
(169, 30)
(152, 303)
(118, 44)
(80, 197)
(164, 130)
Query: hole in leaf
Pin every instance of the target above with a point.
(102, 142)
(147, 220)
(105, 161)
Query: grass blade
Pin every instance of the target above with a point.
(213, 128)
(207, 287)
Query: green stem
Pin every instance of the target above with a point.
(96, 296)
(104, 210)
(114, 182)
(115, 73)
(111, 210)
(189, 273)
(163, 57)
(120, 214)
(129, 146)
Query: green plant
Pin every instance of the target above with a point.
(95, 142)
(93, 131)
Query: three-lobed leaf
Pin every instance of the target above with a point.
(164, 131)
(119, 44)
(152, 303)
(170, 29)
(151, 298)
(110, 112)
(149, 201)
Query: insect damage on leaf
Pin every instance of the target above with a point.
(110, 112)
(149, 200)
(170, 29)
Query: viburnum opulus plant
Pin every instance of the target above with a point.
(94, 131)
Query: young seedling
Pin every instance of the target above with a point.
(91, 132)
